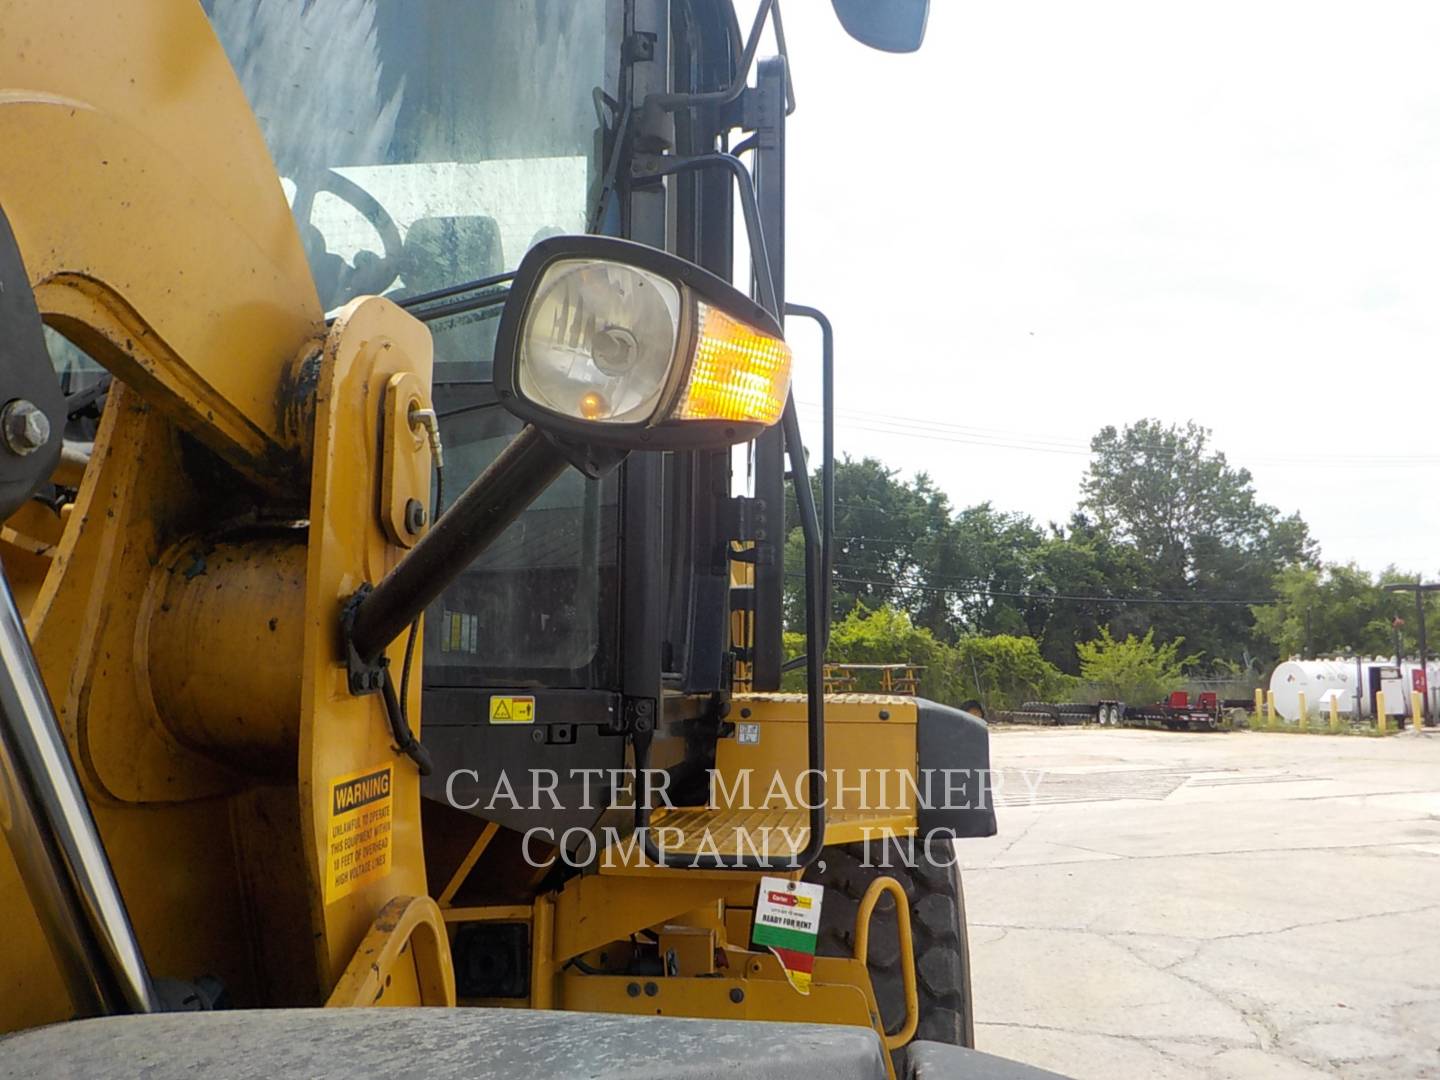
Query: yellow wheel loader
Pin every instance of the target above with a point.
(377, 601)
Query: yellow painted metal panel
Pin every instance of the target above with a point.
(342, 734)
(141, 191)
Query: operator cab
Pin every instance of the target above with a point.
(425, 160)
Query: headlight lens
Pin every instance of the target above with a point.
(599, 342)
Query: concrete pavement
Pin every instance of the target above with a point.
(1213, 905)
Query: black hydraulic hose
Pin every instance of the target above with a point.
(405, 740)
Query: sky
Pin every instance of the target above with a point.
(1058, 216)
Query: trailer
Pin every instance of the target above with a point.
(1175, 713)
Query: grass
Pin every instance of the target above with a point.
(1320, 725)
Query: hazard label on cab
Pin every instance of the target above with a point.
(361, 821)
(512, 710)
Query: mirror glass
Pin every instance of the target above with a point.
(891, 25)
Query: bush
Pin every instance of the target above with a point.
(1000, 671)
(1135, 670)
(1004, 671)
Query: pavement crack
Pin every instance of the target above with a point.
(1337, 921)
(1219, 997)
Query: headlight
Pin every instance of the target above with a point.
(608, 342)
(599, 341)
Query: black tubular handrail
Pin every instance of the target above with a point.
(827, 466)
(816, 616)
(814, 692)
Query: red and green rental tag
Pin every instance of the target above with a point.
(787, 922)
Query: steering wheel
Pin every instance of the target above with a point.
(337, 281)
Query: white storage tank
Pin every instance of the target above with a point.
(1319, 680)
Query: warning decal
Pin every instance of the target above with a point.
(360, 830)
(512, 710)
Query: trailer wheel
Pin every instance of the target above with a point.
(937, 925)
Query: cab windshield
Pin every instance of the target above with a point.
(424, 144)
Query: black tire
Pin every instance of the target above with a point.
(937, 925)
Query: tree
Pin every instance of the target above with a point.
(899, 543)
(1004, 671)
(1338, 608)
(1082, 565)
(989, 563)
(1134, 669)
(1196, 524)
(883, 538)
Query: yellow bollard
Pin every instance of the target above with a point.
(1415, 710)
(1270, 709)
(1334, 714)
(1304, 721)
(1259, 709)
(1382, 722)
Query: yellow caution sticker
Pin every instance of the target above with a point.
(361, 822)
(512, 710)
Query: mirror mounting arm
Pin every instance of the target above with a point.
(656, 104)
(522, 471)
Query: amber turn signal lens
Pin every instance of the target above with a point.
(738, 374)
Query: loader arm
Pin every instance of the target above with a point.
(152, 223)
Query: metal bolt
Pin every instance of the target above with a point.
(414, 516)
(737, 995)
(24, 427)
(651, 989)
(633, 989)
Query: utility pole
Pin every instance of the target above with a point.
(1419, 589)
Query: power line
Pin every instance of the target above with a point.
(1046, 596)
(941, 431)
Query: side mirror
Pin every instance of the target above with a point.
(608, 343)
(604, 347)
(890, 25)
